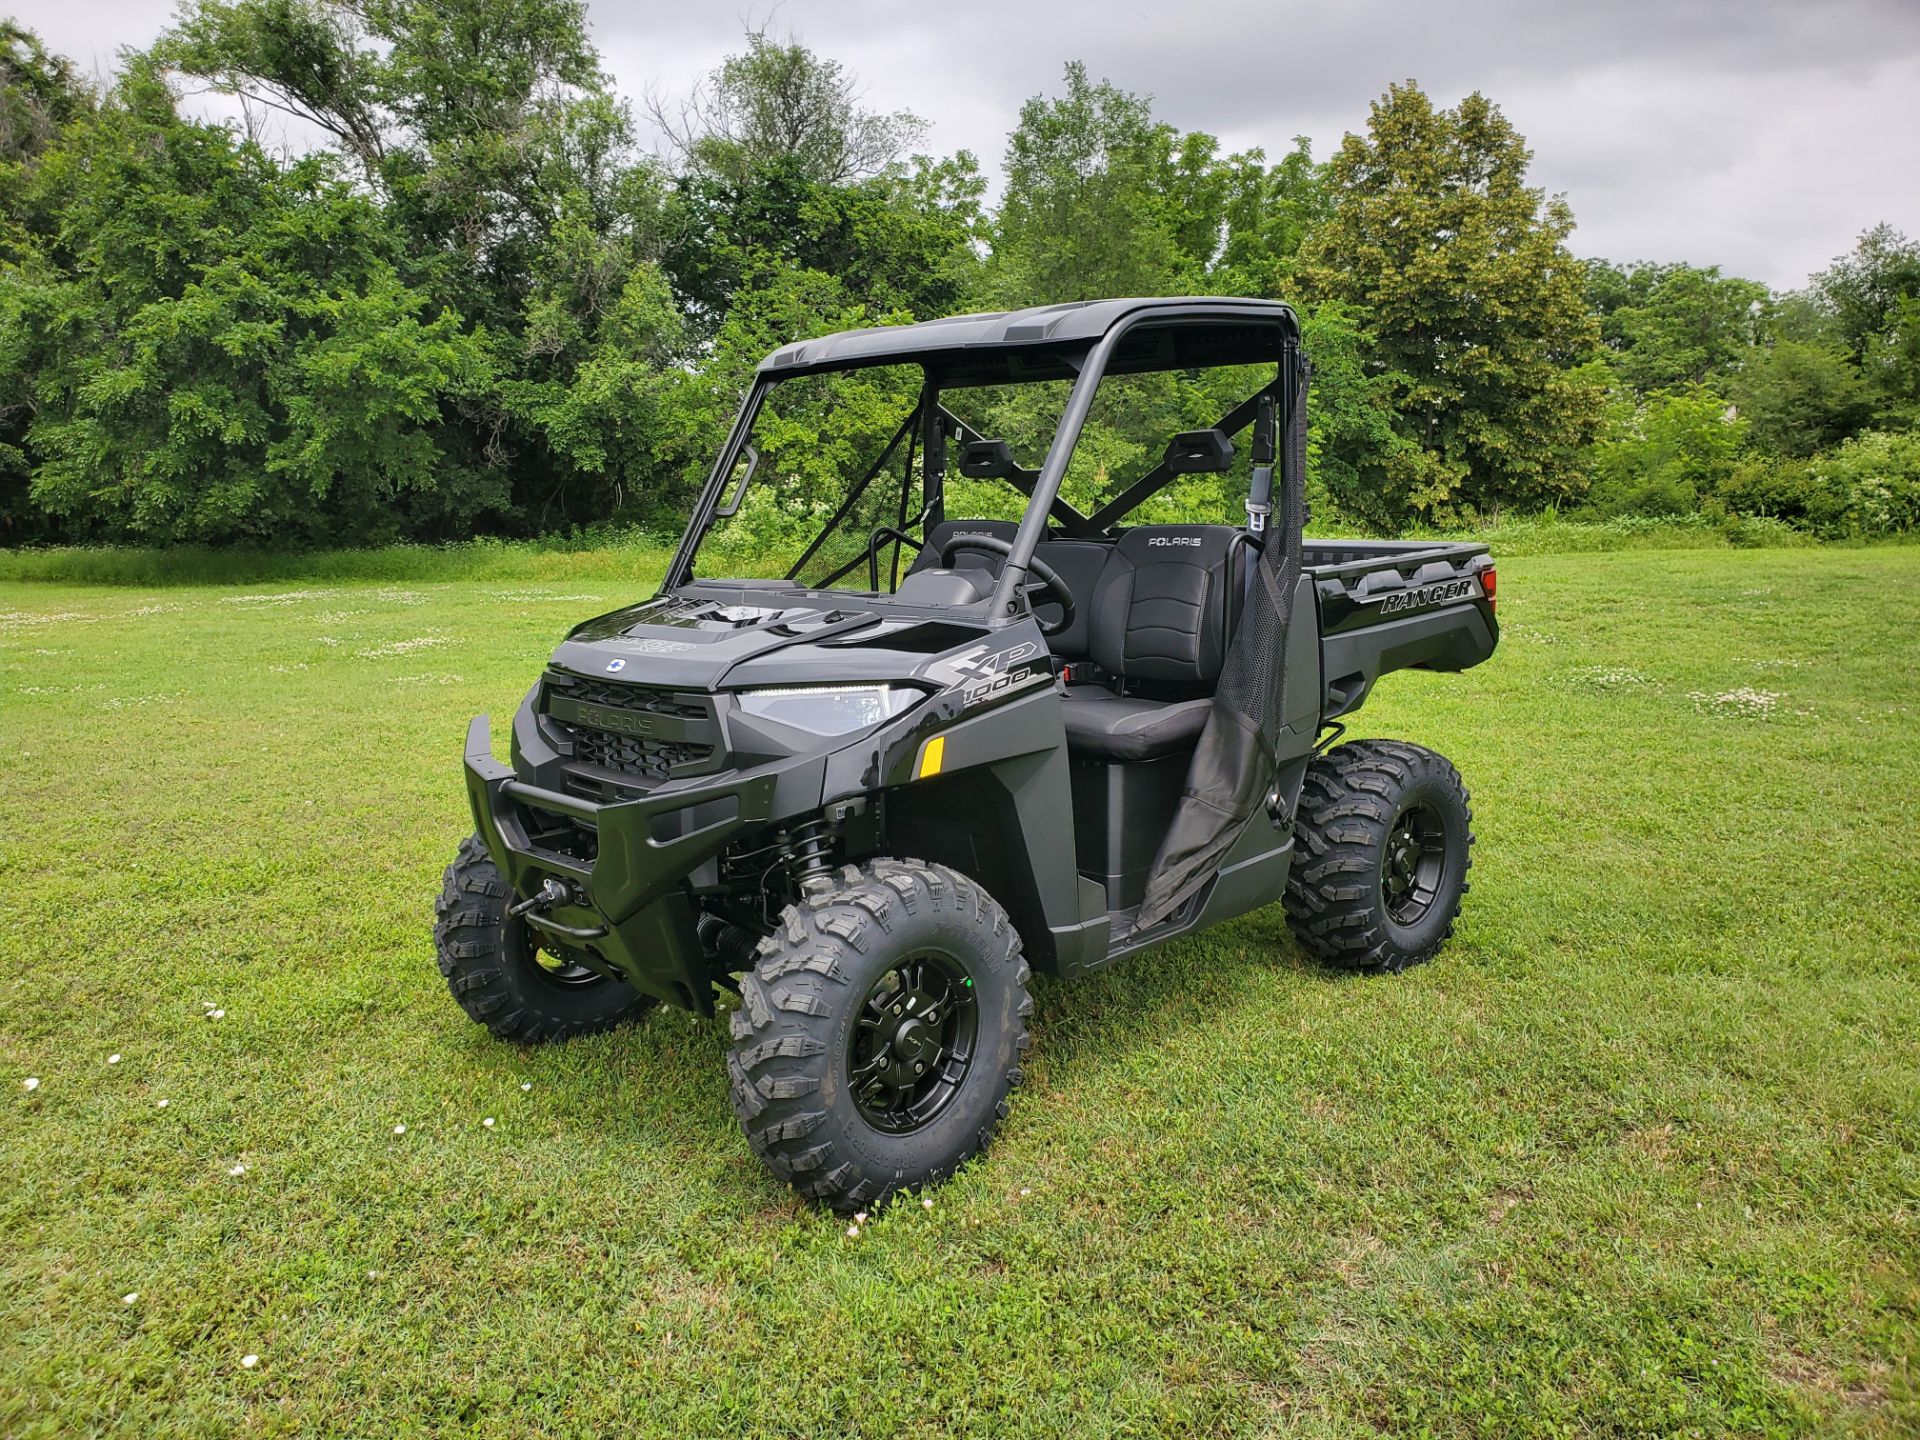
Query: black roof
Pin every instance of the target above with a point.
(1078, 322)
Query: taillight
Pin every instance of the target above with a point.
(1487, 583)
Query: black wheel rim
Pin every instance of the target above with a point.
(1414, 860)
(547, 961)
(912, 1043)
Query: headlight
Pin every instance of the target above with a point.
(829, 709)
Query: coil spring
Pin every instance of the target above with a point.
(810, 851)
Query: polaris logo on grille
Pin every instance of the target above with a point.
(1424, 595)
(617, 722)
(1173, 540)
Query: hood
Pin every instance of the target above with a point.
(691, 642)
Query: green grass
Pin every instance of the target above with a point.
(1636, 1154)
(614, 555)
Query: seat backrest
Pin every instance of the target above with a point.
(1162, 609)
(940, 534)
(1079, 564)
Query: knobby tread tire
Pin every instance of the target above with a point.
(787, 1067)
(490, 970)
(1348, 804)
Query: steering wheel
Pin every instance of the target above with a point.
(1051, 586)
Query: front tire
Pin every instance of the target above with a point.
(1383, 843)
(880, 1033)
(501, 970)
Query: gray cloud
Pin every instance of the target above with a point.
(1760, 136)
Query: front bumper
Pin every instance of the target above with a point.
(634, 919)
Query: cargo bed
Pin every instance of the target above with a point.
(1398, 605)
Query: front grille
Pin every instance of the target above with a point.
(635, 697)
(645, 757)
(631, 731)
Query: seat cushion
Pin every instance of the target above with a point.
(1107, 726)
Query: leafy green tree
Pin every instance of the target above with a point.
(1892, 365)
(40, 97)
(1663, 455)
(1801, 398)
(1089, 208)
(1670, 326)
(1355, 445)
(1102, 199)
(901, 241)
(39, 93)
(1458, 271)
(781, 166)
(1270, 211)
(220, 349)
(1864, 289)
(780, 107)
(488, 135)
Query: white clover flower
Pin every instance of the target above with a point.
(488, 1122)
(130, 1297)
(32, 1082)
(237, 1170)
(113, 1059)
(927, 1203)
(399, 1129)
(526, 1085)
(160, 1104)
(853, 1232)
(247, 1362)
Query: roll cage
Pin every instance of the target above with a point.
(1083, 342)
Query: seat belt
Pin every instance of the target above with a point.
(1260, 488)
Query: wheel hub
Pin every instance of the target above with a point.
(1411, 863)
(912, 1042)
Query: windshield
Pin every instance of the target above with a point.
(833, 490)
(841, 479)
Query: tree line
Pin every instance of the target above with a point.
(480, 307)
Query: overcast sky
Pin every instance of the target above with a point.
(1759, 135)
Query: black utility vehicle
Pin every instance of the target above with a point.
(980, 723)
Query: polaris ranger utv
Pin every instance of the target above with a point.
(980, 723)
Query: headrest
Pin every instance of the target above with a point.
(1204, 545)
(1199, 452)
(986, 460)
(939, 535)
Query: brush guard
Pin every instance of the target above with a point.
(625, 908)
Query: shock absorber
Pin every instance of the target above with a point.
(810, 855)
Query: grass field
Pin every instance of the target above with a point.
(1637, 1154)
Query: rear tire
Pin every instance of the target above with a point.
(841, 1088)
(1383, 843)
(501, 974)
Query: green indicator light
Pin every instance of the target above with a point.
(969, 982)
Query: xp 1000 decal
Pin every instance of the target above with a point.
(982, 673)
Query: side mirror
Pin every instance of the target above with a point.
(1199, 452)
(732, 507)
